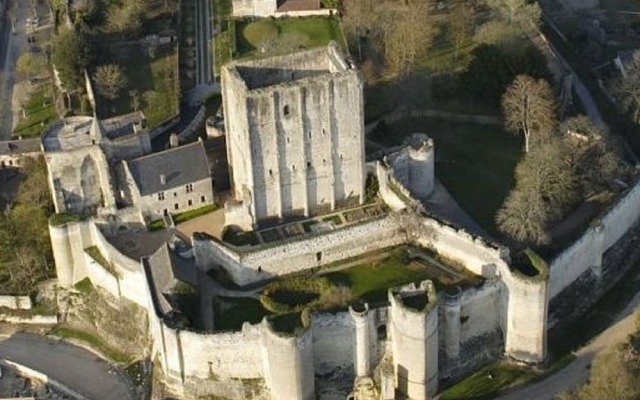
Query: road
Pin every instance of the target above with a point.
(577, 373)
(72, 366)
(5, 107)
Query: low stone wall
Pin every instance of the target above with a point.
(32, 320)
(262, 262)
(325, 12)
(16, 302)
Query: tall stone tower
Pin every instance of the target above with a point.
(295, 126)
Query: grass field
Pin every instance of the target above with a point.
(370, 281)
(620, 5)
(39, 111)
(285, 34)
(475, 162)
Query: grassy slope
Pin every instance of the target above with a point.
(475, 162)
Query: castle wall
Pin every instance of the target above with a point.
(236, 355)
(333, 354)
(586, 252)
(480, 311)
(248, 265)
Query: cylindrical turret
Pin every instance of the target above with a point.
(288, 363)
(414, 322)
(362, 319)
(451, 329)
(421, 165)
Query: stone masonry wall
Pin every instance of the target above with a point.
(248, 266)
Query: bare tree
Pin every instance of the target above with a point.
(546, 188)
(520, 12)
(626, 89)
(127, 18)
(461, 25)
(524, 218)
(594, 153)
(109, 80)
(410, 36)
(529, 109)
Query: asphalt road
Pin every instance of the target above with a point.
(72, 366)
(5, 35)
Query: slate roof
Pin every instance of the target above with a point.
(24, 146)
(180, 166)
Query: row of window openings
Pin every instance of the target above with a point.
(324, 132)
(309, 135)
(188, 187)
(9, 163)
(176, 206)
(293, 167)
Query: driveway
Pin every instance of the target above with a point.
(72, 366)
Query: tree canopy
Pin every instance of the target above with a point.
(626, 89)
(529, 109)
(25, 248)
(71, 56)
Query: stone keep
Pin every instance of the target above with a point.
(295, 133)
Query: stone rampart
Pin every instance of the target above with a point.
(250, 264)
(224, 355)
(586, 252)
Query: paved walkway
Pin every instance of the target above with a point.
(76, 368)
(577, 373)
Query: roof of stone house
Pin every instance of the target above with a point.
(23, 146)
(177, 166)
(298, 5)
(168, 268)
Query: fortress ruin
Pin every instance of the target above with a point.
(417, 337)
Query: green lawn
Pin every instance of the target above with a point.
(286, 34)
(233, 312)
(39, 111)
(475, 162)
(620, 5)
(486, 383)
(370, 281)
(224, 40)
